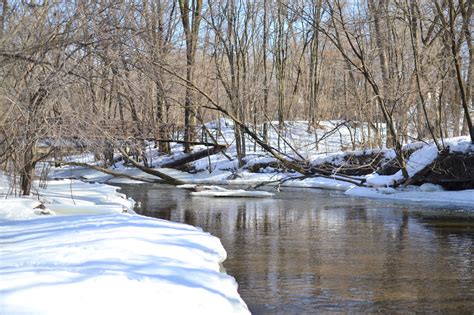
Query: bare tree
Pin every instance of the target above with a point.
(191, 19)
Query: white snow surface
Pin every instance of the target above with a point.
(418, 195)
(217, 191)
(459, 144)
(64, 197)
(417, 161)
(18, 209)
(105, 261)
(112, 264)
(233, 193)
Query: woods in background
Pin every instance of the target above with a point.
(76, 69)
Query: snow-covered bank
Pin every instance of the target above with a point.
(112, 264)
(262, 168)
(427, 194)
(64, 197)
(433, 197)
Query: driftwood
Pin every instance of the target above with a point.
(194, 156)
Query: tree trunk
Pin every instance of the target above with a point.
(191, 31)
(313, 66)
(265, 71)
(386, 102)
(3, 16)
(27, 171)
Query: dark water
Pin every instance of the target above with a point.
(312, 251)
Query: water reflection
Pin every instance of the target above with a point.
(315, 252)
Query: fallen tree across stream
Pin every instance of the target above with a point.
(104, 170)
(187, 158)
(194, 156)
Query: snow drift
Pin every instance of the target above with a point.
(112, 264)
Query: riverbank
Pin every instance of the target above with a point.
(107, 259)
(375, 169)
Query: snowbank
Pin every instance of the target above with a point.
(319, 182)
(424, 155)
(417, 194)
(107, 263)
(66, 197)
(426, 193)
(19, 208)
(112, 264)
(417, 161)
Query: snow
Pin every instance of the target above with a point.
(319, 182)
(376, 180)
(428, 187)
(18, 208)
(424, 155)
(421, 158)
(63, 197)
(95, 259)
(427, 193)
(415, 194)
(334, 139)
(417, 161)
(90, 175)
(112, 264)
(76, 192)
(459, 144)
(187, 186)
(232, 193)
(216, 191)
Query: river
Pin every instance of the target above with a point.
(314, 251)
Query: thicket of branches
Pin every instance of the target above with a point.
(71, 68)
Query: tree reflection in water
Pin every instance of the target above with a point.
(307, 251)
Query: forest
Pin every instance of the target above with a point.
(113, 76)
(236, 157)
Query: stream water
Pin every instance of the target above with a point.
(313, 251)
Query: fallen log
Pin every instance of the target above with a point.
(194, 156)
(168, 179)
(105, 171)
